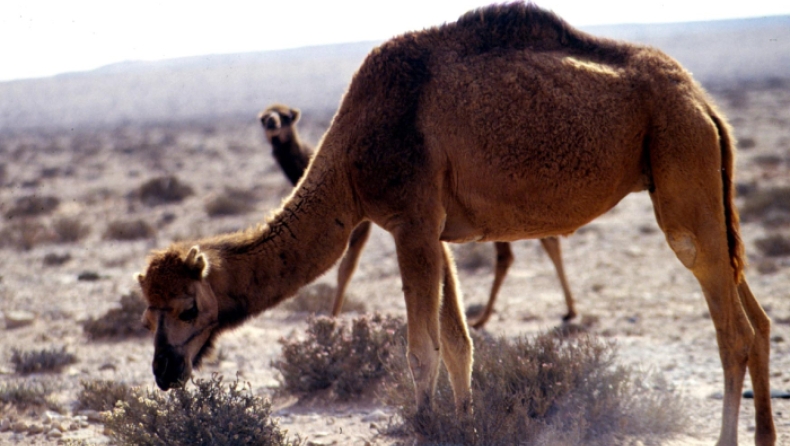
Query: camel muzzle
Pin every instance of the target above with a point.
(271, 122)
(169, 369)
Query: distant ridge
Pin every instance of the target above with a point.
(237, 86)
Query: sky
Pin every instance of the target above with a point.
(40, 38)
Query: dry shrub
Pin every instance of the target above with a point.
(32, 205)
(319, 298)
(25, 233)
(548, 391)
(119, 323)
(52, 360)
(333, 358)
(162, 190)
(775, 245)
(209, 414)
(102, 395)
(231, 202)
(770, 206)
(26, 395)
(128, 230)
(746, 143)
(473, 256)
(69, 229)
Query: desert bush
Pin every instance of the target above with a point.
(210, 414)
(775, 245)
(102, 395)
(25, 233)
(770, 206)
(51, 360)
(162, 190)
(473, 256)
(546, 391)
(333, 358)
(231, 201)
(69, 229)
(319, 298)
(25, 395)
(32, 205)
(119, 323)
(128, 230)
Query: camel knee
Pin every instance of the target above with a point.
(684, 246)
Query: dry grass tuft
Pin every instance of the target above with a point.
(26, 395)
(547, 391)
(25, 234)
(69, 229)
(52, 360)
(32, 206)
(471, 257)
(770, 206)
(319, 298)
(119, 323)
(347, 363)
(128, 230)
(208, 414)
(163, 190)
(775, 245)
(102, 395)
(232, 201)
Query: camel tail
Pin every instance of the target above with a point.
(737, 253)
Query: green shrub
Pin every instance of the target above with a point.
(24, 395)
(345, 362)
(210, 414)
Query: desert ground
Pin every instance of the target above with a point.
(629, 287)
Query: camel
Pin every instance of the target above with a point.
(506, 124)
(293, 155)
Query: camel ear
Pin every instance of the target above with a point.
(295, 113)
(139, 277)
(197, 263)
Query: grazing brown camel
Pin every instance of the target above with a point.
(293, 155)
(506, 124)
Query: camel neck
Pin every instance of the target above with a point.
(301, 241)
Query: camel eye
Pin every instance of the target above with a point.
(189, 315)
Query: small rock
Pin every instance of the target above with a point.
(5, 425)
(92, 415)
(75, 425)
(35, 429)
(54, 433)
(377, 415)
(19, 426)
(18, 318)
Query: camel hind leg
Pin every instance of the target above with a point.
(349, 263)
(504, 258)
(694, 209)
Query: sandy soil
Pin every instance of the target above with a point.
(620, 268)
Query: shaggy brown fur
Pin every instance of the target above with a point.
(279, 127)
(431, 127)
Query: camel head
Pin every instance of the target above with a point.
(182, 312)
(277, 122)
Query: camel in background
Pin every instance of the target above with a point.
(507, 124)
(293, 155)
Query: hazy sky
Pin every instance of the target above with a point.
(42, 38)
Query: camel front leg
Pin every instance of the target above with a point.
(765, 431)
(421, 264)
(349, 263)
(456, 343)
(552, 247)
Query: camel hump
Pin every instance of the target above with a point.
(527, 26)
